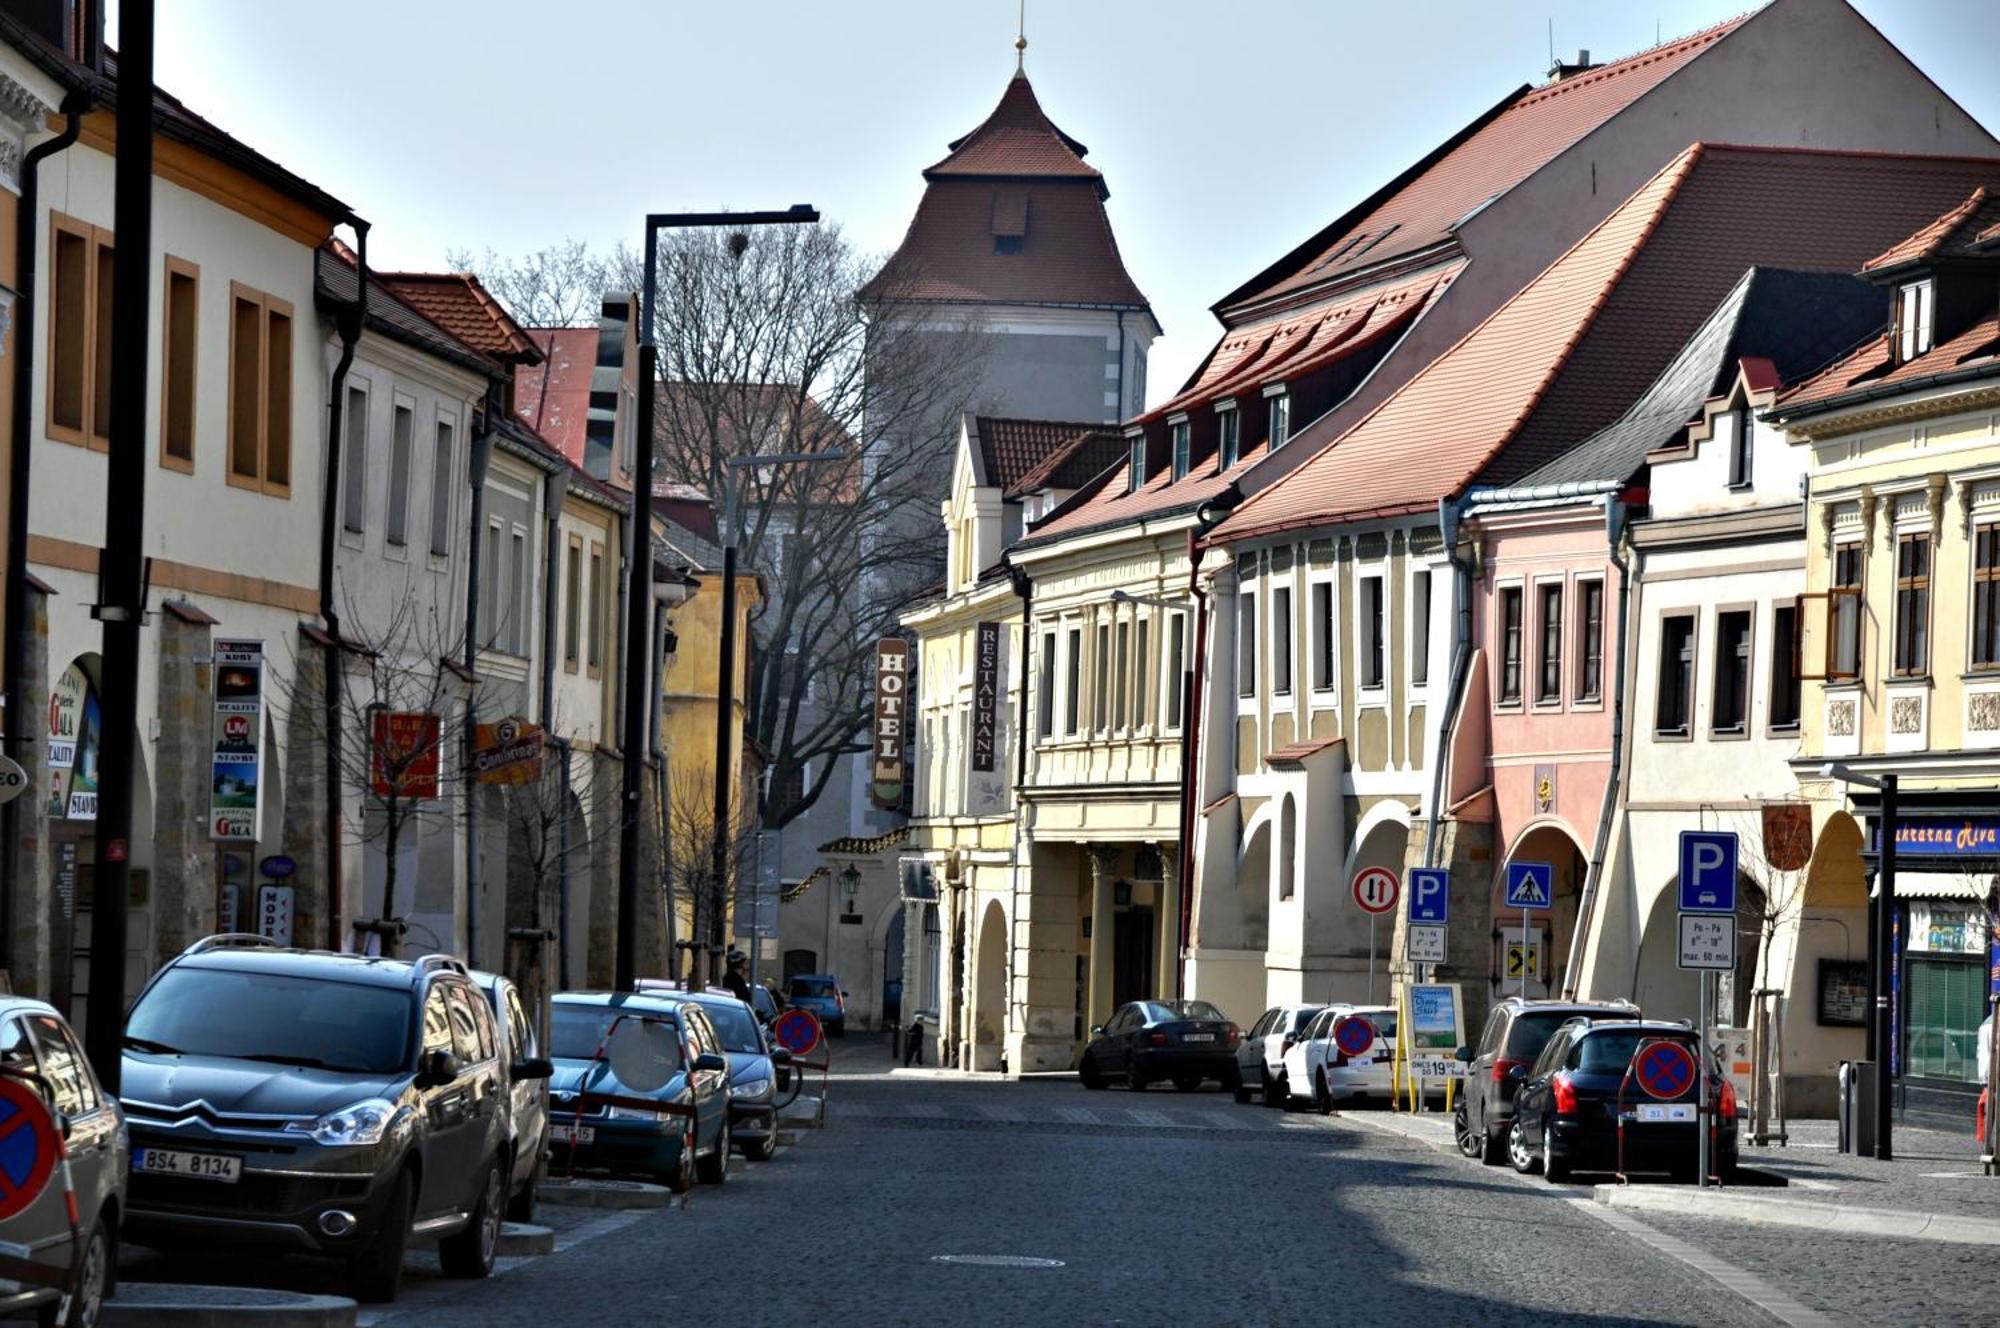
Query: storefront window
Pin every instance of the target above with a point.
(1945, 992)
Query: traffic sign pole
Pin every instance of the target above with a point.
(1703, 1156)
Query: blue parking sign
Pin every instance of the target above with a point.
(1708, 871)
(1531, 885)
(1430, 894)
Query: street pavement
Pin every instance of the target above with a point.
(933, 1198)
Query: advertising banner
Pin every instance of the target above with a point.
(509, 752)
(238, 736)
(986, 698)
(1435, 1030)
(403, 754)
(892, 696)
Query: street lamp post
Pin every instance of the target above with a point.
(1881, 945)
(639, 681)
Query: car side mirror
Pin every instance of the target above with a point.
(708, 1060)
(1465, 1054)
(437, 1067)
(533, 1067)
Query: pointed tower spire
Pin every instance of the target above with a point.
(1021, 43)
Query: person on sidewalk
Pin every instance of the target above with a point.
(735, 977)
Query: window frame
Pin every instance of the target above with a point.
(594, 615)
(1784, 672)
(1913, 630)
(84, 433)
(402, 452)
(267, 307)
(1282, 663)
(1228, 437)
(177, 268)
(1322, 593)
(444, 485)
(573, 591)
(1180, 437)
(1509, 644)
(1840, 589)
(1045, 702)
(1589, 689)
(1100, 676)
(1174, 659)
(1072, 677)
(354, 459)
(1417, 624)
(1246, 642)
(1277, 419)
(1742, 459)
(1135, 463)
(1549, 668)
(1745, 668)
(1985, 531)
(1691, 660)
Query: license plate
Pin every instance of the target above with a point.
(572, 1134)
(193, 1166)
(1664, 1111)
(1199, 1037)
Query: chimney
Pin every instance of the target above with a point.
(1561, 71)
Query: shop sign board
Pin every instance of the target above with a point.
(892, 697)
(986, 698)
(235, 791)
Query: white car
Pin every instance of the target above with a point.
(1260, 1056)
(1318, 1071)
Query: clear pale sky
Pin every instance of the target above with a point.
(1228, 132)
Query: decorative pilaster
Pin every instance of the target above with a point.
(1103, 918)
(1166, 968)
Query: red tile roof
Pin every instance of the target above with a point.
(1871, 371)
(1969, 227)
(1075, 464)
(554, 396)
(1016, 175)
(456, 302)
(1011, 449)
(1109, 502)
(1533, 128)
(1577, 345)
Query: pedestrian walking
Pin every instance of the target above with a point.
(736, 978)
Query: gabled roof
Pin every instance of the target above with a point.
(1017, 141)
(1010, 449)
(1969, 230)
(1422, 208)
(1774, 324)
(335, 274)
(1074, 464)
(457, 302)
(1569, 353)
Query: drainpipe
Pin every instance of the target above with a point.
(1615, 515)
(1206, 518)
(481, 459)
(1450, 512)
(19, 725)
(1024, 588)
(347, 322)
(555, 490)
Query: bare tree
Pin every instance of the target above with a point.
(690, 865)
(1766, 844)
(560, 286)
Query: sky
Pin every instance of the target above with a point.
(1227, 132)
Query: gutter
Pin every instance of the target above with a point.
(13, 654)
(347, 323)
(480, 460)
(1615, 530)
(1450, 513)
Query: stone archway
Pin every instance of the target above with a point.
(1550, 931)
(1665, 990)
(989, 999)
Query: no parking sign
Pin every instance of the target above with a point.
(29, 1147)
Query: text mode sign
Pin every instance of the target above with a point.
(1708, 871)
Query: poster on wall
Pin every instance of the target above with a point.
(238, 737)
(892, 695)
(404, 754)
(73, 731)
(509, 752)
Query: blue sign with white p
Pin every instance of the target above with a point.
(1708, 871)
(1430, 894)
(1531, 884)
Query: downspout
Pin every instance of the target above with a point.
(1206, 518)
(20, 470)
(481, 459)
(1024, 588)
(1450, 512)
(1615, 515)
(347, 321)
(556, 490)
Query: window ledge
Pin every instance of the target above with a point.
(1729, 735)
(1790, 730)
(1909, 680)
(1553, 707)
(1842, 685)
(1672, 735)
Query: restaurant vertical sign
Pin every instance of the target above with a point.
(238, 736)
(892, 703)
(986, 699)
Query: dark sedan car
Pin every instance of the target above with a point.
(1515, 1033)
(1182, 1041)
(753, 1075)
(1567, 1114)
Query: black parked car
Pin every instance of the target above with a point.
(1567, 1113)
(321, 1103)
(1184, 1041)
(1516, 1031)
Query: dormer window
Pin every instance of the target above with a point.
(1739, 448)
(1010, 220)
(1182, 441)
(1006, 244)
(1914, 303)
(1280, 409)
(1228, 438)
(1136, 467)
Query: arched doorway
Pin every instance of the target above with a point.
(1542, 969)
(1382, 840)
(989, 1000)
(1253, 887)
(1665, 990)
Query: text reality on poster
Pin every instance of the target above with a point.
(238, 735)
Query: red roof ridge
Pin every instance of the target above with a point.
(1637, 60)
(1926, 241)
(1017, 140)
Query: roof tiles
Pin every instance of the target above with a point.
(457, 302)
(1017, 140)
(1011, 449)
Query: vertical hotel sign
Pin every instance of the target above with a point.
(986, 699)
(239, 731)
(892, 704)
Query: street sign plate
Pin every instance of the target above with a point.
(1664, 1069)
(1430, 895)
(797, 1031)
(29, 1147)
(1708, 871)
(1426, 944)
(1376, 889)
(1523, 961)
(1354, 1035)
(1530, 885)
(1437, 1067)
(1708, 941)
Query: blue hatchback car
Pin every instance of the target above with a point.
(672, 1148)
(820, 993)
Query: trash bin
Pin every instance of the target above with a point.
(1857, 1108)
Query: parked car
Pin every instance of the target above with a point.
(673, 1148)
(1144, 1041)
(1567, 1113)
(762, 999)
(821, 993)
(753, 1072)
(1516, 1031)
(38, 1048)
(321, 1103)
(1260, 1055)
(1316, 1069)
(527, 1091)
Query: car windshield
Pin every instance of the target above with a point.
(812, 987)
(283, 1018)
(735, 1025)
(577, 1032)
(1184, 1010)
(1304, 1017)
(1609, 1052)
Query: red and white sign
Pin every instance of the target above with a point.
(1376, 889)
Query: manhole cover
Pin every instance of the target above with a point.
(998, 1260)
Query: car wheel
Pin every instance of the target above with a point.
(93, 1284)
(714, 1169)
(1471, 1142)
(469, 1253)
(1496, 1148)
(1089, 1074)
(1322, 1096)
(1274, 1090)
(1553, 1168)
(1135, 1079)
(1518, 1153)
(1241, 1090)
(764, 1149)
(1187, 1083)
(682, 1179)
(521, 1208)
(376, 1272)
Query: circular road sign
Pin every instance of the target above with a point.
(1664, 1069)
(1376, 889)
(797, 1031)
(29, 1147)
(1354, 1035)
(13, 780)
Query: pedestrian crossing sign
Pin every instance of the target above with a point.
(1530, 884)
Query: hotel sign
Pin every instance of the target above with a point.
(892, 698)
(986, 699)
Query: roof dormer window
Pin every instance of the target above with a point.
(1010, 219)
(1279, 407)
(1914, 305)
(1183, 447)
(1228, 441)
(1136, 467)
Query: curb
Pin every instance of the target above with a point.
(519, 1239)
(159, 1305)
(807, 1112)
(788, 1138)
(590, 1193)
(1814, 1216)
